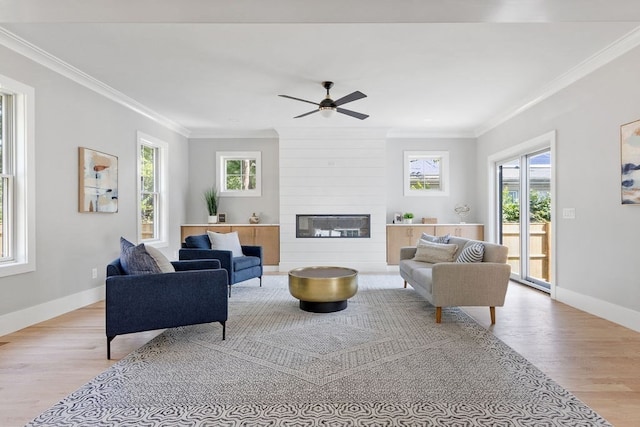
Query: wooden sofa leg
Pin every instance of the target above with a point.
(405, 283)
(438, 314)
(492, 310)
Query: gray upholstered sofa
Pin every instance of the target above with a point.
(446, 284)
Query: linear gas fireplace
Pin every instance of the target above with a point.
(333, 226)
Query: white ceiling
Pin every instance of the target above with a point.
(432, 67)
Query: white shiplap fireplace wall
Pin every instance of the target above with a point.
(332, 171)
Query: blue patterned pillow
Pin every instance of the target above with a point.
(473, 252)
(136, 259)
(435, 239)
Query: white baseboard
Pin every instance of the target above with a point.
(612, 312)
(17, 320)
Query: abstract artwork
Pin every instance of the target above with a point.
(630, 156)
(97, 181)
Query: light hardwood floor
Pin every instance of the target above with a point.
(596, 360)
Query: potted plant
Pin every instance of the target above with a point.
(211, 198)
(408, 217)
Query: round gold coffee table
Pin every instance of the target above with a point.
(323, 289)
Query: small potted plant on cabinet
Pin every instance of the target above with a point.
(211, 198)
(408, 217)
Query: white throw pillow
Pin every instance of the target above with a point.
(434, 252)
(163, 263)
(435, 239)
(226, 242)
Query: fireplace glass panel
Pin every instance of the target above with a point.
(333, 226)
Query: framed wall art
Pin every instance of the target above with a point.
(222, 217)
(97, 181)
(630, 162)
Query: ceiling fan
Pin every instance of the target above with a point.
(327, 107)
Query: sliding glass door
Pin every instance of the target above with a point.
(525, 186)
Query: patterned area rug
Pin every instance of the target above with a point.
(381, 362)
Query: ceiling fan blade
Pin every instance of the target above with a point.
(298, 99)
(351, 97)
(353, 113)
(306, 114)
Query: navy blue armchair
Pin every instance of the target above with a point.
(195, 293)
(238, 269)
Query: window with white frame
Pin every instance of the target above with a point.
(17, 178)
(7, 177)
(239, 173)
(152, 212)
(426, 173)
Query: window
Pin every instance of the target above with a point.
(6, 175)
(152, 215)
(239, 173)
(17, 178)
(426, 173)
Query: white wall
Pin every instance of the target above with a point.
(462, 165)
(70, 244)
(202, 174)
(332, 171)
(597, 252)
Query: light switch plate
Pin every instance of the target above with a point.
(569, 213)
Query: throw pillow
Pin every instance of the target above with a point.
(435, 252)
(473, 252)
(162, 262)
(226, 242)
(136, 259)
(200, 241)
(435, 239)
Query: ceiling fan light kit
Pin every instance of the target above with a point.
(328, 107)
(327, 112)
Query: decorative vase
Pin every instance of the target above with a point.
(254, 219)
(213, 219)
(408, 221)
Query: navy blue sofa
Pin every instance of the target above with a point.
(195, 293)
(238, 269)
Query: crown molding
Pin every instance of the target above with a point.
(313, 133)
(426, 133)
(616, 49)
(34, 53)
(233, 133)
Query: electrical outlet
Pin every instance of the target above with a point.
(94, 273)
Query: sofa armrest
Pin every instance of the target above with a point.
(407, 252)
(255, 251)
(225, 258)
(470, 284)
(196, 264)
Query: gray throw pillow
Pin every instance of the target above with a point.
(136, 259)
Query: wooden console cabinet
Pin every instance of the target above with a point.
(399, 235)
(265, 235)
